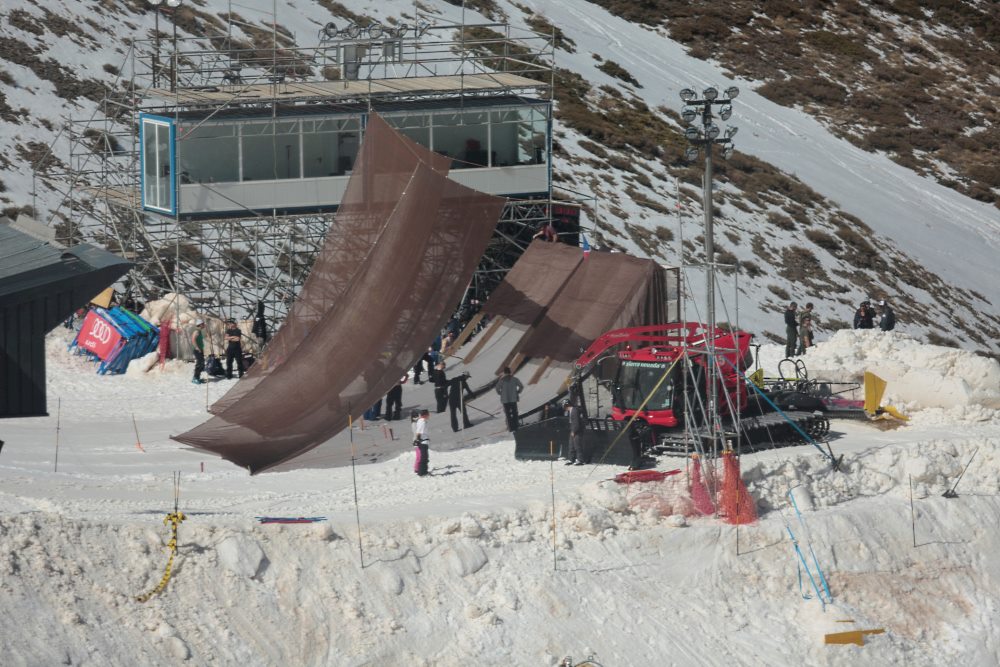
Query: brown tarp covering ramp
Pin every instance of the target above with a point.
(398, 257)
(606, 291)
(534, 281)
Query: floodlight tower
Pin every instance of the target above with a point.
(704, 133)
(158, 6)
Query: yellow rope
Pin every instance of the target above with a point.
(174, 520)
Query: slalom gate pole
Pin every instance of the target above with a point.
(354, 479)
(800, 565)
(138, 442)
(552, 486)
(58, 419)
(913, 516)
(173, 520)
(812, 554)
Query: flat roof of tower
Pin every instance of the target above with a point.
(350, 89)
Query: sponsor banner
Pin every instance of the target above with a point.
(97, 336)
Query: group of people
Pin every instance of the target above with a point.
(799, 324)
(233, 337)
(798, 329)
(866, 314)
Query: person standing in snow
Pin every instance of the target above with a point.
(864, 318)
(791, 329)
(458, 390)
(575, 454)
(394, 400)
(805, 335)
(440, 380)
(418, 422)
(806, 314)
(234, 348)
(887, 318)
(509, 388)
(198, 348)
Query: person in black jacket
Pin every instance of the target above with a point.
(887, 318)
(440, 381)
(791, 329)
(394, 401)
(574, 455)
(458, 389)
(260, 326)
(234, 348)
(864, 318)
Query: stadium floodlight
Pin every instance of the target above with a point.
(400, 30)
(155, 3)
(710, 93)
(354, 31)
(689, 115)
(687, 94)
(330, 30)
(692, 134)
(731, 132)
(691, 154)
(725, 112)
(732, 92)
(712, 131)
(174, 3)
(375, 30)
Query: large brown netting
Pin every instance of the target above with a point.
(402, 249)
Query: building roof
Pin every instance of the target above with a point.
(30, 266)
(346, 89)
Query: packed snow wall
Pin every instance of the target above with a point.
(401, 251)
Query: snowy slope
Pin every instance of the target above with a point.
(463, 566)
(940, 247)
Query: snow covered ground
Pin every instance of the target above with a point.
(462, 567)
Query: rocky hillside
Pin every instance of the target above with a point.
(913, 80)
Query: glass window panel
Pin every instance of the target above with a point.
(414, 126)
(329, 146)
(156, 165)
(520, 136)
(208, 153)
(271, 150)
(464, 137)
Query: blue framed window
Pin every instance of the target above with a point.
(156, 142)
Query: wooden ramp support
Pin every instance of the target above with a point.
(852, 636)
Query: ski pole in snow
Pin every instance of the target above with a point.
(913, 516)
(950, 493)
(354, 479)
(58, 417)
(552, 485)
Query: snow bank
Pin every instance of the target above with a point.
(919, 376)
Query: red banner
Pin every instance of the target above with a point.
(97, 336)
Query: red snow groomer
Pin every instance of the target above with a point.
(656, 381)
(650, 380)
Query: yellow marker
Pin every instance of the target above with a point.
(852, 637)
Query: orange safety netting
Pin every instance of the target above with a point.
(404, 245)
(736, 504)
(700, 496)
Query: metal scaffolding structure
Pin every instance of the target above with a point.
(228, 263)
